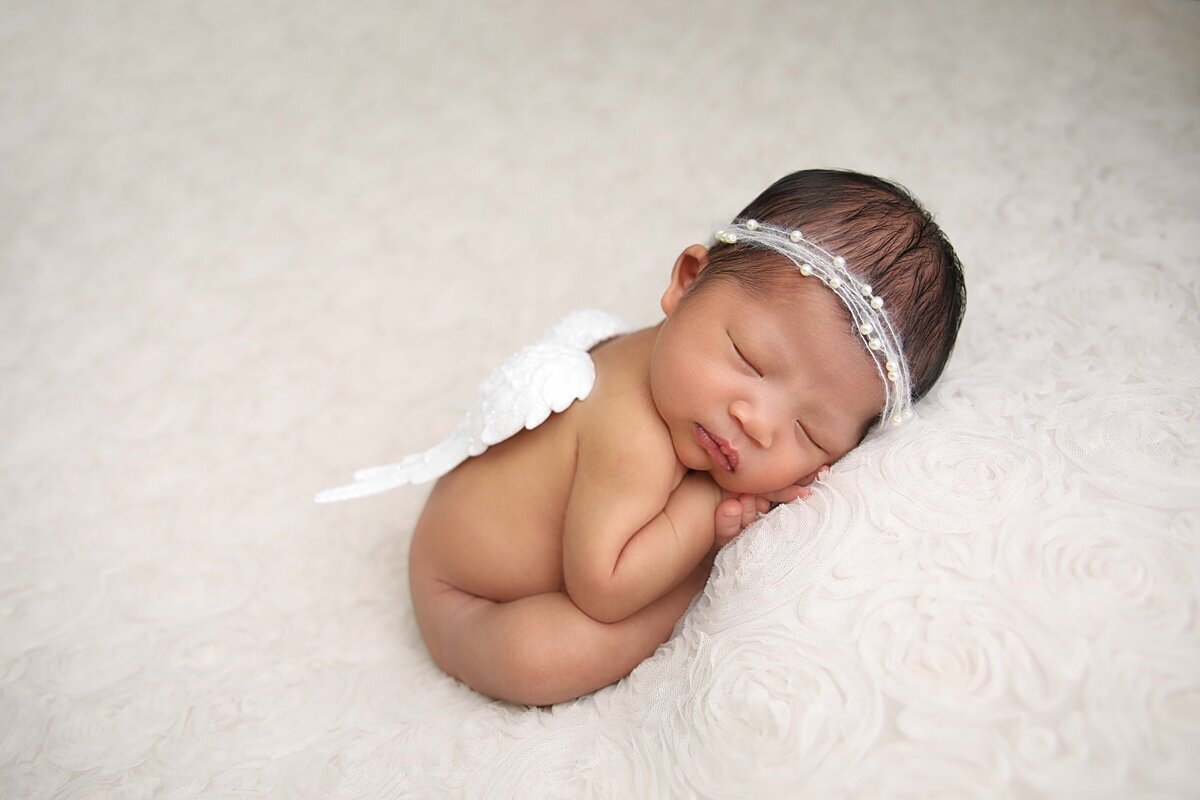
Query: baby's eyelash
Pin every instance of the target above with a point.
(800, 425)
(742, 356)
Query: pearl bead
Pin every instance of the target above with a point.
(865, 289)
(908, 413)
(892, 366)
(834, 283)
(896, 420)
(726, 237)
(839, 262)
(874, 343)
(865, 328)
(876, 302)
(796, 236)
(892, 377)
(751, 224)
(805, 270)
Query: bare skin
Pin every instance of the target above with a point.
(555, 562)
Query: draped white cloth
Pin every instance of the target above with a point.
(245, 249)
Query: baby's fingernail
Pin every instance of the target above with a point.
(732, 512)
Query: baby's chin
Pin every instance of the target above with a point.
(742, 484)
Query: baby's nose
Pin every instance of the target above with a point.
(754, 422)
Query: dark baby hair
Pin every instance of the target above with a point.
(887, 238)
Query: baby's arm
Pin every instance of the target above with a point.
(637, 524)
(633, 530)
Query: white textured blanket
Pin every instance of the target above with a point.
(246, 248)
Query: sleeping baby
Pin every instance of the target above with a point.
(548, 564)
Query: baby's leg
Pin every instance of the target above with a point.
(540, 649)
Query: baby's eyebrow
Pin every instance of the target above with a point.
(778, 346)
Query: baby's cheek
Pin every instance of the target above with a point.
(787, 476)
(746, 481)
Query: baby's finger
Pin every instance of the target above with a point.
(749, 509)
(728, 519)
(819, 474)
(763, 504)
(793, 493)
(788, 494)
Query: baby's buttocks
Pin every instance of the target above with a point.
(493, 526)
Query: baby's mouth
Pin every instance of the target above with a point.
(723, 454)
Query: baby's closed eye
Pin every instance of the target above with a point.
(744, 359)
(807, 435)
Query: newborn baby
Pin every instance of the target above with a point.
(554, 562)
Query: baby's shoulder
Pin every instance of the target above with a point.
(619, 424)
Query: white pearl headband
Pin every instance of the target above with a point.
(871, 322)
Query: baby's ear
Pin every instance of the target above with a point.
(688, 266)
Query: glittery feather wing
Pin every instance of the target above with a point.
(541, 379)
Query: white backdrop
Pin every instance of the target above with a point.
(246, 248)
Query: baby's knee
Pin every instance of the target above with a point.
(497, 653)
(536, 651)
(527, 669)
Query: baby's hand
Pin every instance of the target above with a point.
(734, 513)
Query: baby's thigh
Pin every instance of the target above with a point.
(540, 649)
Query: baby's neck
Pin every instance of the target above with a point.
(625, 361)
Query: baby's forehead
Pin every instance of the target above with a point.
(803, 296)
(799, 316)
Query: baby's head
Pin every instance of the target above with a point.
(887, 239)
(867, 296)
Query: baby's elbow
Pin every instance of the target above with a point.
(600, 599)
(608, 613)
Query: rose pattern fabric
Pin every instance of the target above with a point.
(245, 251)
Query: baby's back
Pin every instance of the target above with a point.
(493, 527)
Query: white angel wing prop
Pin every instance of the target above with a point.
(541, 379)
